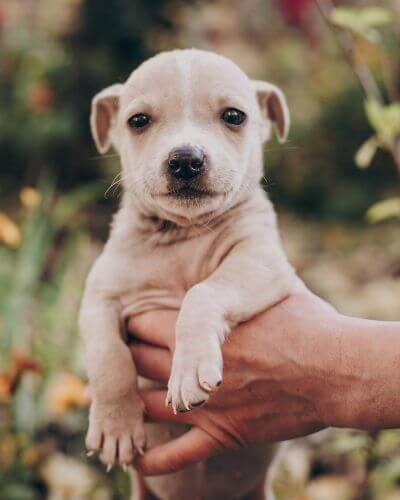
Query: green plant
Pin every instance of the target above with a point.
(370, 43)
(41, 385)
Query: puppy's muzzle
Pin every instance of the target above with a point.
(186, 163)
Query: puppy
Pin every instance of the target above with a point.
(195, 233)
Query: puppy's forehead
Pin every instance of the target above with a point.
(183, 75)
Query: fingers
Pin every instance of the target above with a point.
(192, 447)
(156, 411)
(151, 362)
(155, 327)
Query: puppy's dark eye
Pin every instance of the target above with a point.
(233, 116)
(139, 121)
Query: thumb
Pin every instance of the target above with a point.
(191, 447)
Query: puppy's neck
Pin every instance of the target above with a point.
(158, 229)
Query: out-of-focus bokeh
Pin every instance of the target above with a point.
(335, 185)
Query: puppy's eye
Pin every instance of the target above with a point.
(233, 116)
(139, 121)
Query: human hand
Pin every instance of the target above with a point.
(274, 373)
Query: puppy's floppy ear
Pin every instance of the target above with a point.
(273, 108)
(105, 106)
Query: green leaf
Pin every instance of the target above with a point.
(385, 120)
(361, 20)
(376, 16)
(383, 210)
(19, 492)
(366, 152)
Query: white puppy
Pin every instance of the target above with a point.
(195, 233)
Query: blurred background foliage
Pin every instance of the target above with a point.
(338, 64)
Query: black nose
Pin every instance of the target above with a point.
(186, 162)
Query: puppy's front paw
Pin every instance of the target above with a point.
(196, 372)
(116, 430)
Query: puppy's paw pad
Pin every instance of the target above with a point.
(193, 378)
(210, 376)
(184, 391)
(117, 431)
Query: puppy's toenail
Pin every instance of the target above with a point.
(206, 386)
(90, 453)
(183, 410)
(218, 383)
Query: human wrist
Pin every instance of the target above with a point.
(341, 364)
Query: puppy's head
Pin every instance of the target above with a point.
(188, 126)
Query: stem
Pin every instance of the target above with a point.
(359, 69)
(395, 150)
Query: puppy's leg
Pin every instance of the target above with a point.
(251, 278)
(116, 413)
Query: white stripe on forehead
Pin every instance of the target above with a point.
(184, 63)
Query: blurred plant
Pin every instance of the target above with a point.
(373, 53)
(42, 393)
(54, 56)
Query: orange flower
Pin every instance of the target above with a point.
(40, 97)
(30, 197)
(9, 231)
(10, 378)
(5, 388)
(31, 455)
(67, 391)
(8, 450)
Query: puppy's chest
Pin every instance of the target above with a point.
(164, 273)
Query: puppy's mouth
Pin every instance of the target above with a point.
(190, 193)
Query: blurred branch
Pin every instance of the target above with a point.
(360, 70)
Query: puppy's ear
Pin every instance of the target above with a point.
(105, 106)
(273, 108)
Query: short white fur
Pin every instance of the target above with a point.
(216, 259)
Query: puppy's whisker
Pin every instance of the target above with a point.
(100, 157)
(266, 183)
(280, 148)
(116, 182)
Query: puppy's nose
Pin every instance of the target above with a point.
(186, 163)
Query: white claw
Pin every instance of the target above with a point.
(125, 467)
(109, 467)
(90, 453)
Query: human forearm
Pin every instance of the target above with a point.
(362, 392)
